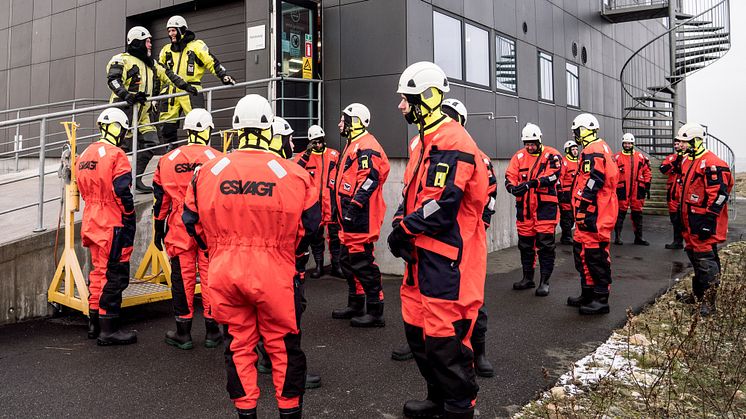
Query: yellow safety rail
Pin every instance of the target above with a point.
(228, 139)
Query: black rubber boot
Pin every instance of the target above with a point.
(586, 296)
(525, 283)
(337, 270)
(263, 364)
(319, 269)
(461, 414)
(292, 413)
(599, 304)
(93, 328)
(373, 318)
(213, 337)
(617, 236)
(110, 333)
(355, 307)
(182, 337)
(313, 381)
(482, 366)
(246, 413)
(685, 297)
(431, 407)
(543, 289)
(402, 353)
(566, 238)
(637, 224)
(675, 246)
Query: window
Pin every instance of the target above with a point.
(573, 85)
(505, 64)
(546, 81)
(447, 44)
(477, 55)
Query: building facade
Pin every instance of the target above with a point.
(520, 61)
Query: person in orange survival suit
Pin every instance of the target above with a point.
(564, 193)
(104, 179)
(671, 166)
(531, 177)
(172, 176)
(358, 194)
(252, 211)
(439, 232)
(634, 185)
(321, 162)
(706, 184)
(482, 366)
(594, 202)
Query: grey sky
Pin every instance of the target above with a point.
(716, 95)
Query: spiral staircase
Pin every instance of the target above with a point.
(698, 34)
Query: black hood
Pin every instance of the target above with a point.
(137, 48)
(179, 45)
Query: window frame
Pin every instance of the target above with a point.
(515, 61)
(461, 40)
(539, 55)
(577, 78)
(490, 35)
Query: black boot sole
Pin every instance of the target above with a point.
(106, 342)
(213, 343)
(381, 323)
(484, 373)
(346, 316)
(181, 345)
(401, 357)
(604, 310)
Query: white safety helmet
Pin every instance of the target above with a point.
(198, 120)
(420, 76)
(585, 120)
(111, 115)
(690, 131)
(253, 111)
(457, 106)
(628, 138)
(281, 127)
(569, 144)
(137, 33)
(176, 21)
(358, 110)
(314, 132)
(531, 132)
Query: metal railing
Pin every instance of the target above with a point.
(45, 146)
(722, 150)
(698, 35)
(607, 5)
(17, 142)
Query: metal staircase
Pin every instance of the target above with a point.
(698, 35)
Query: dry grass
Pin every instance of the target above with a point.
(679, 364)
(741, 184)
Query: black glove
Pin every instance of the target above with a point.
(160, 233)
(709, 225)
(520, 189)
(191, 90)
(400, 244)
(139, 97)
(352, 212)
(310, 147)
(533, 183)
(228, 80)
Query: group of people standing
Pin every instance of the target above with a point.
(238, 216)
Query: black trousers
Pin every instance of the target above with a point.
(361, 267)
(544, 245)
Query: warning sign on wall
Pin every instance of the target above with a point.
(307, 68)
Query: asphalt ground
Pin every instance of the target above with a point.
(49, 369)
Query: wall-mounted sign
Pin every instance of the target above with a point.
(307, 68)
(256, 38)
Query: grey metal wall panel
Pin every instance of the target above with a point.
(544, 26)
(22, 11)
(85, 27)
(611, 105)
(40, 84)
(62, 5)
(527, 70)
(4, 14)
(505, 17)
(101, 59)
(4, 95)
(378, 93)
(329, 3)
(560, 81)
(562, 127)
(63, 34)
(571, 6)
(4, 33)
(598, 92)
(481, 11)
(332, 113)
(256, 10)
(84, 2)
(42, 8)
(526, 12)
(419, 31)
(19, 82)
(586, 88)
(528, 111)
(595, 53)
(85, 73)
(558, 26)
(62, 85)
(584, 36)
(331, 43)
(136, 7)
(482, 129)
(41, 40)
(364, 37)
(571, 35)
(455, 6)
(608, 53)
(20, 45)
(507, 131)
(110, 25)
(546, 122)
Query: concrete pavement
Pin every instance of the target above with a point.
(49, 369)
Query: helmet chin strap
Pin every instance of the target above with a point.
(586, 139)
(194, 137)
(254, 138)
(112, 133)
(696, 147)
